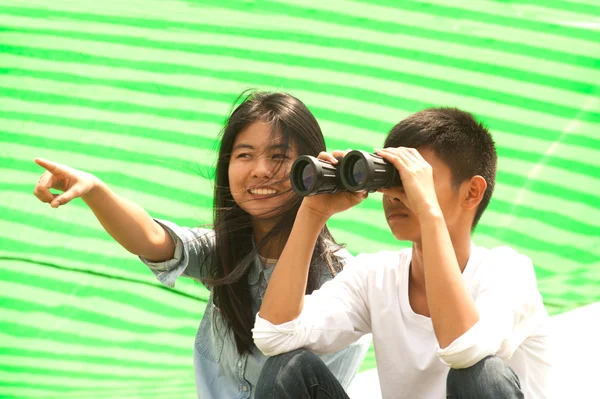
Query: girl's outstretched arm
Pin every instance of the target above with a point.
(128, 223)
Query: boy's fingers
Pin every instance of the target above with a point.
(393, 158)
(412, 155)
(415, 153)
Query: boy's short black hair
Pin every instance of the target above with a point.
(455, 137)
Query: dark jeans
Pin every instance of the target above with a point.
(302, 374)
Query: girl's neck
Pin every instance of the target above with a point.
(274, 248)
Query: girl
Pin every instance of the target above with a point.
(254, 210)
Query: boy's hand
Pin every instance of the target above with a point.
(418, 190)
(75, 183)
(327, 205)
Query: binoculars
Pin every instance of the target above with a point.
(357, 171)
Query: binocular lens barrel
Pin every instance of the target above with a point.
(361, 170)
(308, 176)
(357, 171)
(311, 176)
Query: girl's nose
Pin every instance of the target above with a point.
(262, 168)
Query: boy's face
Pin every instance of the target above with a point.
(405, 225)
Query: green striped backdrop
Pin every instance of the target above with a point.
(136, 92)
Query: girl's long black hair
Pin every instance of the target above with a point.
(234, 250)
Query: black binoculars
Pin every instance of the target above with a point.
(357, 171)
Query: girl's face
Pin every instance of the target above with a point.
(258, 172)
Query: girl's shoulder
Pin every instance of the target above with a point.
(333, 262)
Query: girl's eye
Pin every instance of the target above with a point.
(280, 156)
(243, 155)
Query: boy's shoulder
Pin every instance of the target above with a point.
(503, 265)
(502, 257)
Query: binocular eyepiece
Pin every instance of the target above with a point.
(357, 171)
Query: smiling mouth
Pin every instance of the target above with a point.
(262, 192)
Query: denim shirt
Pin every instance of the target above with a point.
(220, 371)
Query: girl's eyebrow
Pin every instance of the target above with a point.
(278, 147)
(251, 147)
(247, 146)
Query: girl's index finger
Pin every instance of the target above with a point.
(339, 153)
(48, 165)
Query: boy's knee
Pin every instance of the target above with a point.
(489, 378)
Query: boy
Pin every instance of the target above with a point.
(448, 318)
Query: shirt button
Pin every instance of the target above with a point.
(240, 364)
(244, 388)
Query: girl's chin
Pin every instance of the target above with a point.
(264, 213)
(266, 209)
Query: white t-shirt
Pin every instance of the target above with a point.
(371, 296)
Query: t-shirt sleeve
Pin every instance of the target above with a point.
(510, 310)
(193, 248)
(333, 316)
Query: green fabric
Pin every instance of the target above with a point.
(136, 93)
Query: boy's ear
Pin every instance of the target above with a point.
(475, 189)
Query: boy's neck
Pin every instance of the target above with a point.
(462, 249)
